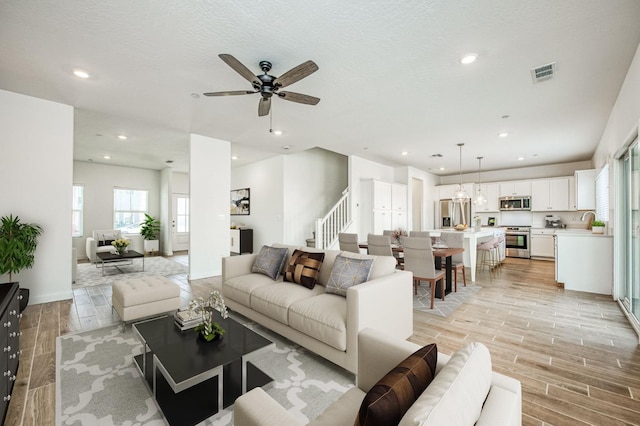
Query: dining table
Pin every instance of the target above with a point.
(439, 253)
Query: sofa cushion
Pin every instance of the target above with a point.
(327, 263)
(389, 399)
(341, 412)
(323, 317)
(274, 300)
(457, 393)
(304, 268)
(269, 261)
(239, 288)
(382, 265)
(291, 248)
(346, 273)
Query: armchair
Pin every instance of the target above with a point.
(100, 242)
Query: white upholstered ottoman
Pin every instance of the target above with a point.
(144, 297)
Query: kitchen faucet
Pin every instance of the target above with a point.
(586, 213)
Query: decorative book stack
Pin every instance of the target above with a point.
(186, 319)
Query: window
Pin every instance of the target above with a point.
(76, 211)
(182, 214)
(129, 208)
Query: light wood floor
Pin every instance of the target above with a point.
(575, 354)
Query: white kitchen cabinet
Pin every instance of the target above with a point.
(542, 245)
(586, 189)
(445, 192)
(518, 187)
(572, 194)
(585, 261)
(383, 205)
(491, 192)
(550, 194)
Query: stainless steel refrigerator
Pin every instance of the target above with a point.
(450, 214)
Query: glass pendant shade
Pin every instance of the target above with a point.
(479, 199)
(460, 195)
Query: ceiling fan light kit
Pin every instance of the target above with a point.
(268, 85)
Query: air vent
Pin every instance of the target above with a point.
(436, 155)
(543, 73)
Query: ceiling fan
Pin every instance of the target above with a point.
(267, 85)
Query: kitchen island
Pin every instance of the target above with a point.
(472, 238)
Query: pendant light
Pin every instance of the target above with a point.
(479, 199)
(460, 195)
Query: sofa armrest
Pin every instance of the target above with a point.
(384, 304)
(235, 266)
(378, 353)
(503, 405)
(90, 247)
(257, 408)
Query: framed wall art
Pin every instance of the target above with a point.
(240, 202)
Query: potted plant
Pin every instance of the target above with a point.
(209, 330)
(597, 227)
(149, 230)
(18, 243)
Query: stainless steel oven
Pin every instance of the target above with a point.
(518, 241)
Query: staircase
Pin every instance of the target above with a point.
(334, 222)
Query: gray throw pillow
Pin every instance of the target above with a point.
(270, 261)
(346, 273)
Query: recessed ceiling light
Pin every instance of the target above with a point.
(277, 132)
(441, 168)
(503, 134)
(404, 153)
(106, 157)
(520, 158)
(234, 157)
(122, 137)
(468, 59)
(195, 95)
(286, 147)
(81, 73)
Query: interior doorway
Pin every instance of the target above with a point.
(180, 222)
(417, 204)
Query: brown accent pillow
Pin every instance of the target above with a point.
(389, 399)
(304, 268)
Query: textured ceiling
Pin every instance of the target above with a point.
(389, 79)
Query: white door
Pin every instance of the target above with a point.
(180, 222)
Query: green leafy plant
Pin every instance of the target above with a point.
(597, 223)
(205, 307)
(150, 228)
(18, 243)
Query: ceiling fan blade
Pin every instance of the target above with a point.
(296, 74)
(230, 93)
(299, 98)
(240, 69)
(264, 106)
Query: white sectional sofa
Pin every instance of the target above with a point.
(327, 324)
(465, 390)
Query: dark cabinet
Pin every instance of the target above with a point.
(9, 342)
(241, 241)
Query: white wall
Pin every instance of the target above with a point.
(313, 182)
(406, 175)
(535, 172)
(180, 183)
(99, 180)
(36, 155)
(166, 212)
(209, 186)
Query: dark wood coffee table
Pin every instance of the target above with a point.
(113, 259)
(198, 379)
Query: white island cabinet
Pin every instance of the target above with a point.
(584, 261)
(471, 240)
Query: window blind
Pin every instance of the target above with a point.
(602, 194)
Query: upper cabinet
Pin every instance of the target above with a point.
(491, 192)
(508, 189)
(550, 194)
(383, 206)
(586, 189)
(381, 194)
(445, 192)
(399, 197)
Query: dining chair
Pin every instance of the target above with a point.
(399, 256)
(418, 258)
(348, 242)
(379, 245)
(419, 234)
(455, 240)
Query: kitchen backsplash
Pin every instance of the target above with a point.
(536, 219)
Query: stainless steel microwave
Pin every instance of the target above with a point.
(515, 203)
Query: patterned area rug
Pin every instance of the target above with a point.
(90, 275)
(98, 383)
(422, 302)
